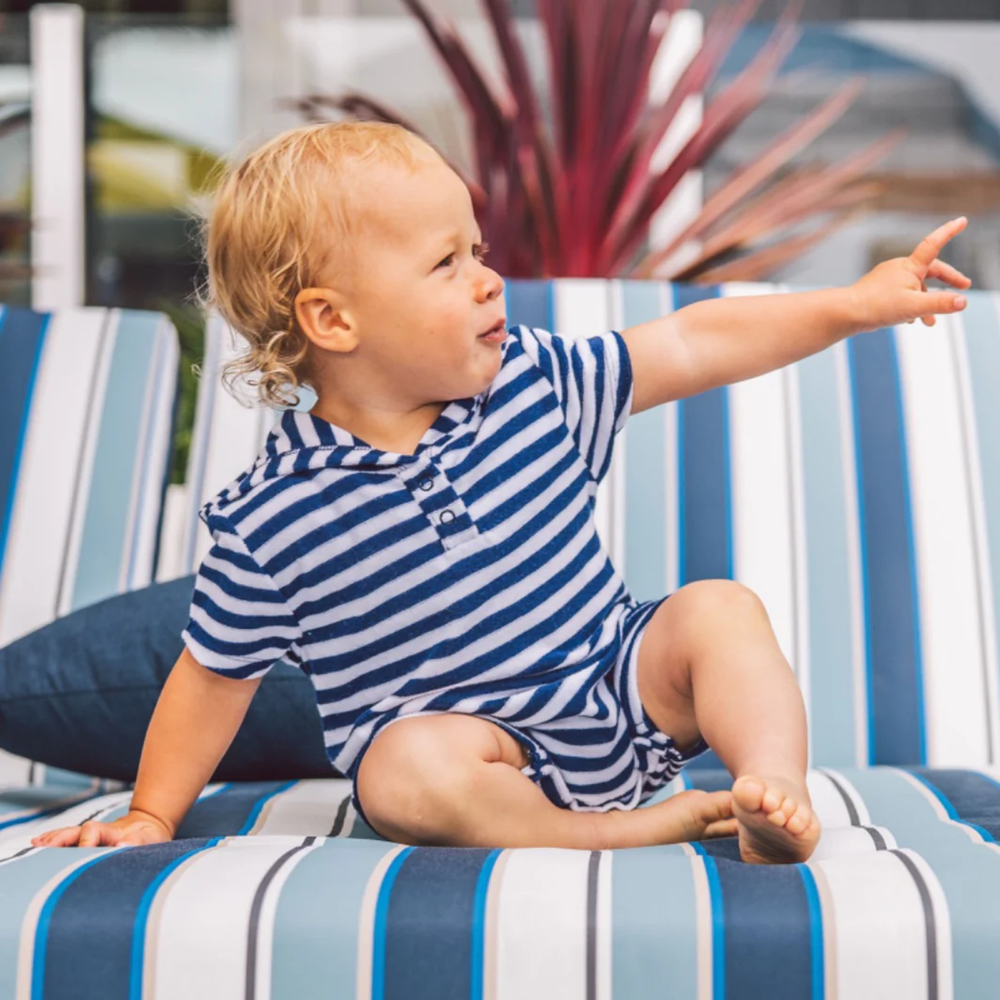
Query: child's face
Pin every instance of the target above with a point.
(420, 294)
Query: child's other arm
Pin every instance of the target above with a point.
(195, 720)
(720, 341)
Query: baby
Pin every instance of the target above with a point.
(422, 542)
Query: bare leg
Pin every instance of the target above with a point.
(455, 780)
(710, 664)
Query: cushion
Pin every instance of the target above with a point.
(79, 693)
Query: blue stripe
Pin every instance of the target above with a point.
(815, 932)
(718, 930)
(530, 303)
(22, 338)
(969, 797)
(703, 467)
(78, 957)
(645, 502)
(381, 919)
(103, 543)
(895, 683)
(231, 811)
(705, 537)
(429, 924)
(479, 924)
(765, 912)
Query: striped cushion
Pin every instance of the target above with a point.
(276, 889)
(86, 407)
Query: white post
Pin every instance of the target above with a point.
(57, 156)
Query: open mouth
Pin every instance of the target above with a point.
(495, 334)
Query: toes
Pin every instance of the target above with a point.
(749, 792)
(800, 822)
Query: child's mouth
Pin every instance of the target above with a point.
(496, 334)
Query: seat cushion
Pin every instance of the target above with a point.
(79, 693)
(278, 888)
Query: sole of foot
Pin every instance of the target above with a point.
(776, 823)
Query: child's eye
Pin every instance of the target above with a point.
(479, 251)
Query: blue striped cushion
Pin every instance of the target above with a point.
(86, 411)
(277, 889)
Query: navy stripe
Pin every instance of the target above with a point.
(91, 933)
(430, 924)
(967, 796)
(705, 523)
(895, 710)
(768, 927)
(230, 812)
(703, 469)
(22, 337)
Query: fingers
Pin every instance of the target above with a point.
(941, 271)
(930, 246)
(928, 303)
(65, 837)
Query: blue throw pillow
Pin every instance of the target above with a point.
(78, 694)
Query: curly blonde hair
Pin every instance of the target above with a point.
(261, 247)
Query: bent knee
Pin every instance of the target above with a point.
(417, 773)
(712, 597)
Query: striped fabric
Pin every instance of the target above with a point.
(86, 411)
(276, 890)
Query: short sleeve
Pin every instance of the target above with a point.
(592, 379)
(239, 623)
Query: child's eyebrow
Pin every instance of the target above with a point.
(454, 237)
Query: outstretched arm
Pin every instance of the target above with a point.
(720, 341)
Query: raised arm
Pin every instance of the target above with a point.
(720, 341)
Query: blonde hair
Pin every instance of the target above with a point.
(260, 245)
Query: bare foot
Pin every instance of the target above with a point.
(776, 821)
(690, 815)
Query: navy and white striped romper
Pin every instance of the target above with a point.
(467, 577)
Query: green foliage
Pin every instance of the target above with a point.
(190, 323)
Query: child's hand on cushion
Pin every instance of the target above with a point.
(895, 291)
(131, 830)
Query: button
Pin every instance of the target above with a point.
(426, 483)
(447, 516)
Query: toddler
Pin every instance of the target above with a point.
(422, 542)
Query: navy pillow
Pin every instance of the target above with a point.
(78, 694)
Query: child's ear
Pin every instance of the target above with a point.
(325, 319)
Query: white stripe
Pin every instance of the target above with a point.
(973, 462)
(762, 518)
(43, 505)
(542, 933)
(951, 653)
(895, 964)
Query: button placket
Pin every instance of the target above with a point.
(432, 490)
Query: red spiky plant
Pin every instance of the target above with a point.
(576, 199)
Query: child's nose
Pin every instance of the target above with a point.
(491, 285)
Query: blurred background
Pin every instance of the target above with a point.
(799, 143)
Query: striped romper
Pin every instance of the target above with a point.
(467, 577)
